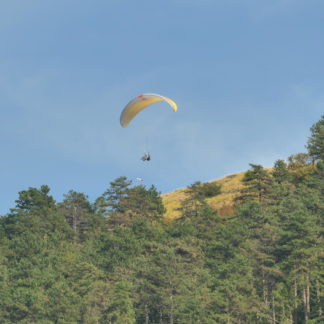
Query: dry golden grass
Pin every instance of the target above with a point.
(230, 186)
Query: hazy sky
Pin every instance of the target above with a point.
(248, 77)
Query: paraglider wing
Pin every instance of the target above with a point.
(139, 103)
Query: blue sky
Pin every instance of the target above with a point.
(247, 75)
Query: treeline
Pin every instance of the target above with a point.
(117, 261)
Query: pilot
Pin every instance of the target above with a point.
(146, 157)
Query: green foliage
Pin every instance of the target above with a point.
(80, 215)
(122, 204)
(257, 183)
(280, 172)
(200, 190)
(35, 198)
(115, 193)
(120, 309)
(143, 203)
(315, 143)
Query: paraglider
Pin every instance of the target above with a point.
(139, 103)
(146, 157)
(142, 101)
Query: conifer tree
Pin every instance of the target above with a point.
(315, 143)
(120, 308)
(298, 251)
(79, 214)
(115, 194)
(111, 204)
(280, 172)
(143, 203)
(5, 292)
(35, 212)
(257, 183)
(34, 198)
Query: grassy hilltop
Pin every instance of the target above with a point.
(230, 188)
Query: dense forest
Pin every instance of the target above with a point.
(118, 261)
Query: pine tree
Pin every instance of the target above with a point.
(298, 251)
(79, 214)
(128, 204)
(280, 172)
(35, 212)
(5, 292)
(235, 297)
(110, 205)
(33, 198)
(257, 183)
(115, 194)
(315, 143)
(172, 284)
(143, 203)
(120, 308)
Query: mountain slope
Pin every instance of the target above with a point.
(230, 188)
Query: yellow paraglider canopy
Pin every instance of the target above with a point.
(139, 103)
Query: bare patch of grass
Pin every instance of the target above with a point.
(223, 203)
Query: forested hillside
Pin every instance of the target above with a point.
(119, 261)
